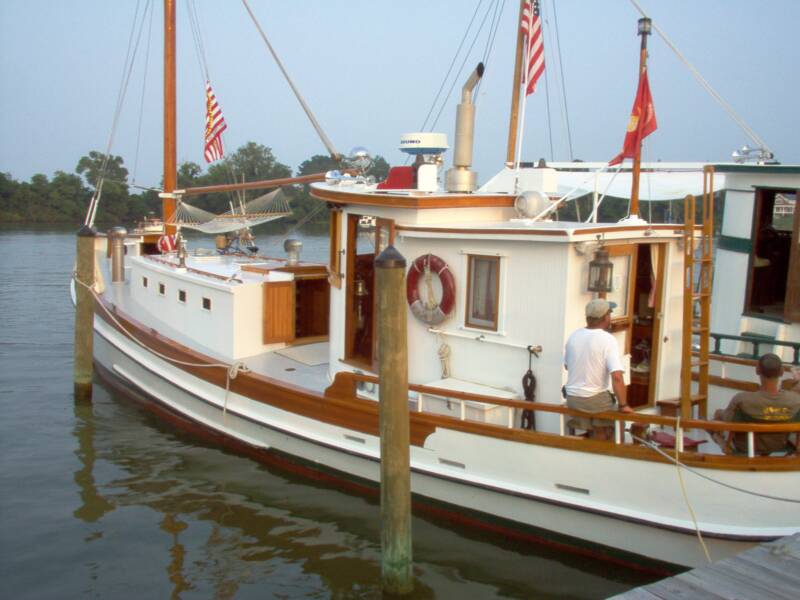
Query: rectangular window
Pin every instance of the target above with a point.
(206, 303)
(162, 289)
(182, 296)
(483, 292)
(144, 281)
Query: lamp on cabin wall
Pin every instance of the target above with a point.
(601, 271)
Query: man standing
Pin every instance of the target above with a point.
(592, 356)
(770, 404)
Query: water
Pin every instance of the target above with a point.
(102, 500)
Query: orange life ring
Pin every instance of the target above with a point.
(425, 312)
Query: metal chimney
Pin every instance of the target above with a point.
(460, 178)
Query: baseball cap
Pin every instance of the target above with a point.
(598, 308)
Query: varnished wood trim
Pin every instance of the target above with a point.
(620, 228)
(414, 201)
(253, 185)
(474, 231)
(738, 360)
(339, 407)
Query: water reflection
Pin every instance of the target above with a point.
(230, 527)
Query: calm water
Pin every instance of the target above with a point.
(102, 500)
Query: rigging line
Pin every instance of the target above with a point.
(655, 448)
(126, 77)
(460, 69)
(325, 140)
(563, 84)
(195, 15)
(493, 28)
(144, 88)
(707, 86)
(194, 26)
(450, 68)
(549, 119)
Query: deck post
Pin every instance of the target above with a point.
(84, 313)
(396, 562)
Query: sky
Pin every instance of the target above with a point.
(370, 71)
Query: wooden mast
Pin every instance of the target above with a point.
(514, 117)
(644, 31)
(170, 149)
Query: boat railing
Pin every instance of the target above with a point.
(756, 342)
(346, 384)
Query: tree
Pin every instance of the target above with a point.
(113, 202)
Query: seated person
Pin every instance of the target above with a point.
(769, 404)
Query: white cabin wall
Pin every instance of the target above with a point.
(248, 330)
(187, 323)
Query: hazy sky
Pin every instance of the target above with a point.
(370, 71)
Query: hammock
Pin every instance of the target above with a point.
(263, 209)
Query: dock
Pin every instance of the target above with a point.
(771, 570)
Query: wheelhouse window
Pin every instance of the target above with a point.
(206, 303)
(144, 282)
(162, 289)
(182, 296)
(483, 292)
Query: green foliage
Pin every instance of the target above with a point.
(64, 198)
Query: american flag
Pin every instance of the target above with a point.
(215, 125)
(531, 27)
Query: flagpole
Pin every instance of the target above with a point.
(644, 31)
(513, 123)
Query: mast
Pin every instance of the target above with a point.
(514, 117)
(644, 31)
(170, 112)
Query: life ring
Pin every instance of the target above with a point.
(166, 244)
(425, 312)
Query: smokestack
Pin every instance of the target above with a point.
(460, 178)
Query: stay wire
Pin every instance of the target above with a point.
(493, 28)
(460, 69)
(450, 68)
(563, 84)
(141, 101)
(130, 59)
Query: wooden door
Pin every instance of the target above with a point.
(279, 311)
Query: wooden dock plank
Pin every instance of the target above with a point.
(770, 570)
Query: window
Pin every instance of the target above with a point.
(483, 292)
(162, 289)
(144, 281)
(206, 303)
(182, 296)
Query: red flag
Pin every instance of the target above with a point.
(642, 123)
(215, 125)
(531, 27)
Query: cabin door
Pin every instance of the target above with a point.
(638, 291)
(773, 283)
(366, 238)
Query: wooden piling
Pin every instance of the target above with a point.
(84, 313)
(396, 563)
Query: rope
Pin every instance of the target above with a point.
(231, 371)
(328, 144)
(141, 100)
(685, 495)
(444, 353)
(711, 479)
(707, 86)
(493, 27)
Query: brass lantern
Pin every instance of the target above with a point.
(601, 270)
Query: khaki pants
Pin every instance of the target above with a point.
(602, 402)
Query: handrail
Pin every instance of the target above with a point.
(341, 386)
(756, 342)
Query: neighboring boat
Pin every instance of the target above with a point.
(278, 355)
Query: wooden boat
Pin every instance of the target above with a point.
(277, 356)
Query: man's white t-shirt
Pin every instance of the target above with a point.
(590, 355)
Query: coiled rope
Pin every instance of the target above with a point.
(231, 370)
